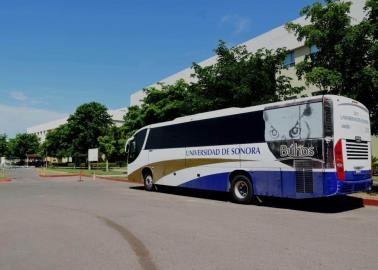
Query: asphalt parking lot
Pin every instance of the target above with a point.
(66, 224)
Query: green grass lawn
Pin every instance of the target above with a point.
(121, 172)
(2, 176)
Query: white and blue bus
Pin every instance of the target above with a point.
(303, 148)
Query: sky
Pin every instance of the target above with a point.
(56, 55)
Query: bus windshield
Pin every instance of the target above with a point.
(135, 145)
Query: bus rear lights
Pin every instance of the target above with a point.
(339, 160)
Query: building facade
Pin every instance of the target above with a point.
(42, 129)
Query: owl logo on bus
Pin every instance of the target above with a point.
(294, 122)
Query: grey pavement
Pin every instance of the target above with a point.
(62, 223)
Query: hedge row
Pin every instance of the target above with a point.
(93, 165)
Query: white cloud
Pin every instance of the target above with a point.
(23, 99)
(18, 95)
(17, 119)
(240, 24)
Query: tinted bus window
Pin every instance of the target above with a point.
(166, 137)
(232, 129)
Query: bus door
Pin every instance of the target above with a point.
(166, 157)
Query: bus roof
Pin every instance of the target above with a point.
(237, 110)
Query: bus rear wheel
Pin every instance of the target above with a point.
(148, 181)
(241, 189)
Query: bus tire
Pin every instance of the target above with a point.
(241, 189)
(148, 181)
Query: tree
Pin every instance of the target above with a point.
(107, 145)
(119, 139)
(57, 143)
(112, 145)
(238, 79)
(133, 120)
(241, 78)
(23, 144)
(346, 60)
(167, 103)
(3, 145)
(85, 126)
(81, 132)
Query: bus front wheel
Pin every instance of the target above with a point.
(241, 189)
(148, 181)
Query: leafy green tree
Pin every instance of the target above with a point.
(81, 132)
(85, 126)
(57, 143)
(107, 147)
(3, 145)
(167, 103)
(119, 155)
(241, 78)
(112, 145)
(238, 79)
(23, 144)
(133, 120)
(346, 60)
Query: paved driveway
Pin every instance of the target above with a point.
(66, 224)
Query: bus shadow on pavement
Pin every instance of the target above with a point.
(336, 204)
(195, 193)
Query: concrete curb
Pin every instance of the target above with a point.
(125, 180)
(370, 201)
(366, 200)
(58, 175)
(113, 179)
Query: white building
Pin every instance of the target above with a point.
(277, 38)
(42, 129)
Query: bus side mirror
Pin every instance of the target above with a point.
(127, 148)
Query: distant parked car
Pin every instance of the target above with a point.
(37, 163)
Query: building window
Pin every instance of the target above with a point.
(313, 49)
(289, 59)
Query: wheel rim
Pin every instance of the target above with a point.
(241, 190)
(148, 180)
